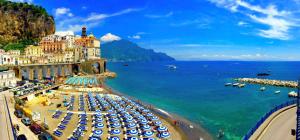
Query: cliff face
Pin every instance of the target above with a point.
(22, 21)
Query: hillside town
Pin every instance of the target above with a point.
(55, 49)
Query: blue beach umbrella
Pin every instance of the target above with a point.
(98, 132)
(94, 138)
(99, 125)
(148, 133)
(131, 125)
(143, 121)
(162, 128)
(116, 125)
(114, 138)
(98, 119)
(164, 135)
(154, 118)
(132, 132)
(157, 123)
(115, 132)
(146, 127)
(114, 119)
(132, 138)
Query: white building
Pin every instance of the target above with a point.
(8, 79)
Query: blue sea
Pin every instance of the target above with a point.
(196, 90)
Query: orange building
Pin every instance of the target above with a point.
(53, 44)
(90, 45)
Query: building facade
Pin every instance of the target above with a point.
(90, 45)
(8, 79)
(34, 51)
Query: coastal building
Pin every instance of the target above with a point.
(34, 51)
(22, 60)
(7, 78)
(69, 55)
(14, 52)
(7, 59)
(90, 45)
(53, 44)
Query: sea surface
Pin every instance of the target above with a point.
(196, 91)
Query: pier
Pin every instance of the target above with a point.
(280, 83)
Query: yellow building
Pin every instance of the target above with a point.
(34, 51)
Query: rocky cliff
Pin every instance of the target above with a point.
(23, 21)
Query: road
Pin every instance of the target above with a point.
(279, 128)
(23, 129)
(6, 128)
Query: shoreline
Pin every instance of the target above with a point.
(189, 130)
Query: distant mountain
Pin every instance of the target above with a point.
(126, 51)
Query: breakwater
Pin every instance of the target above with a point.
(281, 83)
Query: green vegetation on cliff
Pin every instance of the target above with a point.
(23, 24)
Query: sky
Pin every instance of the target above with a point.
(189, 29)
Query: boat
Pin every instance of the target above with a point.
(262, 89)
(172, 67)
(125, 64)
(241, 85)
(235, 84)
(262, 74)
(228, 84)
(277, 91)
(292, 94)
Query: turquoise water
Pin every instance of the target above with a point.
(196, 91)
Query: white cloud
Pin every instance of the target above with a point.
(62, 11)
(109, 37)
(160, 16)
(74, 23)
(96, 16)
(242, 23)
(135, 37)
(83, 7)
(64, 33)
(278, 22)
(28, 1)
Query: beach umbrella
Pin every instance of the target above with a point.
(116, 125)
(115, 132)
(131, 125)
(154, 118)
(99, 125)
(94, 138)
(157, 123)
(148, 133)
(164, 135)
(98, 119)
(132, 138)
(143, 121)
(149, 114)
(146, 127)
(114, 138)
(150, 139)
(162, 128)
(132, 132)
(114, 119)
(98, 132)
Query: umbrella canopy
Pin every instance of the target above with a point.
(132, 138)
(162, 128)
(131, 125)
(146, 127)
(116, 125)
(143, 121)
(115, 132)
(114, 119)
(164, 135)
(98, 132)
(132, 132)
(94, 138)
(99, 125)
(114, 138)
(154, 118)
(148, 133)
(157, 123)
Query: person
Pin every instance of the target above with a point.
(18, 127)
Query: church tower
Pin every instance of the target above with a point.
(83, 32)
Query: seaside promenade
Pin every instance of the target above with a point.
(5, 121)
(277, 126)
